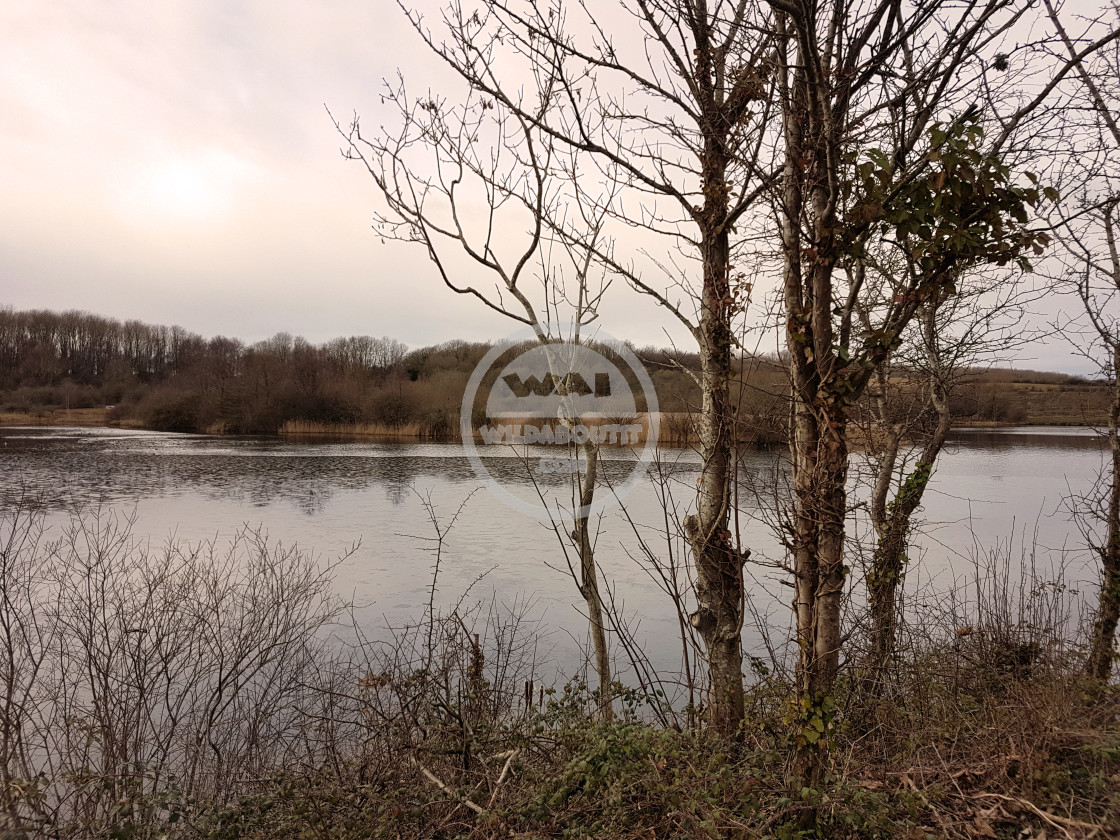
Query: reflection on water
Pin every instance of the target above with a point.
(116, 465)
(988, 486)
(101, 464)
(1047, 438)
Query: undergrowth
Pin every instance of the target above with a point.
(1035, 757)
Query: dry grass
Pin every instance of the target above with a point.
(417, 431)
(56, 417)
(1024, 758)
(1005, 753)
(1055, 405)
(350, 431)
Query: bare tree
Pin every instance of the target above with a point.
(1089, 231)
(435, 169)
(909, 415)
(637, 153)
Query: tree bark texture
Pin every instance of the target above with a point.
(589, 581)
(893, 520)
(818, 438)
(1102, 646)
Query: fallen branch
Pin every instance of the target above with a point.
(431, 777)
(502, 776)
(1058, 822)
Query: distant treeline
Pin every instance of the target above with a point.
(170, 379)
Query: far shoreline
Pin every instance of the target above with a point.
(100, 418)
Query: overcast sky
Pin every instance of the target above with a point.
(173, 162)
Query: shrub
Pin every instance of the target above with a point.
(173, 415)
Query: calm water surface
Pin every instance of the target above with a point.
(990, 487)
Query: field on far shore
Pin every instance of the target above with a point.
(1035, 404)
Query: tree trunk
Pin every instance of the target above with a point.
(819, 450)
(719, 566)
(818, 439)
(589, 581)
(720, 593)
(893, 523)
(820, 471)
(820, 462)
(887, 570)
(1102, 647)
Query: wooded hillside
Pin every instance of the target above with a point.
(166, 378)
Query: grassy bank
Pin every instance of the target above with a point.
(1033, 404)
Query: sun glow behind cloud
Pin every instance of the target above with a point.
(200, 190)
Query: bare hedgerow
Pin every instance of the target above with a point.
(136, 680)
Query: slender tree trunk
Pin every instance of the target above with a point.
(820, 463)
(820, 473)
(887, 570)
(719, 566)
(719, 569)
(1102, 647)
(818, 439)
(820, 467)
(720, 593)
(589, 581)
(893, 521)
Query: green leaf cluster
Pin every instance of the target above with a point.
(957, 208)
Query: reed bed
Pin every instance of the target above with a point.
(751, 429)
(676, 430)
(56, 417)
(305, 428)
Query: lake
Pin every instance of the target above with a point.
(991, 489)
